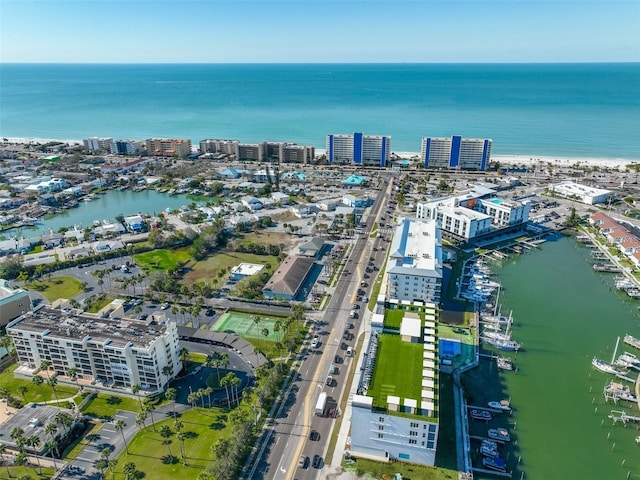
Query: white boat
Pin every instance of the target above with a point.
(504, 363)
(605, 367)
(502, 405)
(501, 434)
(502, 344)
(618, 391)
(628, 360)
(638, 439)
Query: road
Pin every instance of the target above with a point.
(291, 431)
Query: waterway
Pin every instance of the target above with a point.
(564, 314)
(107, 207)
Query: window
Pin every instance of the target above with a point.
(380, 435)
(414, 425)
(432, 428)
(430, 444)
(380, 427)
(413, 442)
(381, 419)
(413, 434)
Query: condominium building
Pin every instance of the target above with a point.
(96, 144)
(13, 302)
(414, 270)
(468, 216)
(395, 417)
(249, 151)
(168, 147)
(218, 146)
(126, 147)
(359, 149)
(109, 352)
(456, 152)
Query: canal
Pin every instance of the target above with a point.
(564, 315)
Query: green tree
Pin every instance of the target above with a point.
(119, 426)
(165, 433)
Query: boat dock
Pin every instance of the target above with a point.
(606, 267)
(634, 342)
(493, 472)
(624, 417)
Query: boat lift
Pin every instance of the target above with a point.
(624, 417)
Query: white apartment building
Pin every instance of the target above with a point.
(359, 149)
(414, 270)
(466, 216)
(456, 152)
(218, 146)
(580, 193)
(14, 301)
(112, 352)
(95, 144)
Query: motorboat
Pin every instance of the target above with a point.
(480, 415)
(502, 405)
(490, 444)
(638, 439)
(504, 363)
(501, 434)
(487, 451)
(497, 464)
(628, 360)
(630, 340)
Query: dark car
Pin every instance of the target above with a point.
(314, 436)
(210, 312)
(317, 460)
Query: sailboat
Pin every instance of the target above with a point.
(605, 367)
(502, 340)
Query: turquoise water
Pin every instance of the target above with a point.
(564, 315)
(588, 110)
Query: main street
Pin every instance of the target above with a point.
(297, 431)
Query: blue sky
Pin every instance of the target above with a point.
(237, 31)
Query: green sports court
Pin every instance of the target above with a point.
(244, 325)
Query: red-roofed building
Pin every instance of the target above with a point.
(608, 226)
(630, 246)
(619, 235)
(635, 258)
(598, 218)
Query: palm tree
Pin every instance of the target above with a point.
(6, 342)
(128, 468)
(256, 319)
(149, 408)
(112, 463)
(208, 391)
(52, 382)
(33, 441)
(181, 436)
(184, 353)
(65, 420)
(37, 380)
(167, 371)
(72, 373)
(3, 450)
(22, 390)
(277, 327)
(166, 432)
(44, 365)
(50, 447)
(50, 429)
(192, 398)
(141, 419)
(16, 433)
(102, 465)
(135, 388)
(119, 426)
(171, 394)
(226, 382)
(234, 382)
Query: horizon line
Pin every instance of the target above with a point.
(577, 62)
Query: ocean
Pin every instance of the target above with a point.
(564, 110)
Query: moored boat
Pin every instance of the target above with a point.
(630, 340)
(502, 343)
(606, 367)
(487, 451)
(504, 363)
(502, 405)
(480, 415)
(497, 464)
(501, 434)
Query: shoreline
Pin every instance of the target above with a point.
(539, 161)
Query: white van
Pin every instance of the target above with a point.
(349, 352)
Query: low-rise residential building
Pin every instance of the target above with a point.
(109, 352)
(243, 270)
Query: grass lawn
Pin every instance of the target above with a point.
(162, 259)
(58, 287)
(105, 405)
(202, 426)
(40, 394)
(265, 237)
(371, 469)
(99, 305)
(208, 269)
(393, 318)
(397, 371)
(27, 472)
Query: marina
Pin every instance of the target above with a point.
(546, 322)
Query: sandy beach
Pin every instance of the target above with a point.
(538, 162)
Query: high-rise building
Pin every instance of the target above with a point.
(456, 152)
(13, 302)
(125, 147)
(113, 352)
(358, 149)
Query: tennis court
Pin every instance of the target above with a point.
(244, 325)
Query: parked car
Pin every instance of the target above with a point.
(317, 461)
(302, 463)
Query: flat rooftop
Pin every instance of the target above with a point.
(75, 325)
